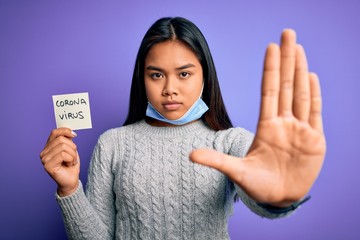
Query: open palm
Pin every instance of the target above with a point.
(289, 146)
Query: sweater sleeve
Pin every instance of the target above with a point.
(239, 141)
(92, 215)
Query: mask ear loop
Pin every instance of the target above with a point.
(202, 89)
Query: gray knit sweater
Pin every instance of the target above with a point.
(142, 185)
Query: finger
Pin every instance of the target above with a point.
(58, 150)
(77, 160)
(315, 118)
(57, 161)
(287, 70)
(229, 165)
(74, 161)
(301, 103)
(60, 140)
(270, 83)
(67, 132)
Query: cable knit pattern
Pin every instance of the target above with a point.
(142, 185)
(186, 191)
(171, 190)
(201, 195)
(140, 175)
(156, 195)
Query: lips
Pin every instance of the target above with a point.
(171, 105)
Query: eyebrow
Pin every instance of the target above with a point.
(189, 65)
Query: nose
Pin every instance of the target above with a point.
(170, 88)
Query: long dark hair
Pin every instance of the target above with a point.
(183, 30)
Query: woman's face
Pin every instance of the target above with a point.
(173, 78)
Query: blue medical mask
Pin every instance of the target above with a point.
(195, 112)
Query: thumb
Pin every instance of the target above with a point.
(229, 165)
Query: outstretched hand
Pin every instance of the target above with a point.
(289, 146)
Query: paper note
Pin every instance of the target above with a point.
(72, 111)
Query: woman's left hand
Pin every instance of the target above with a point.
(289, 146)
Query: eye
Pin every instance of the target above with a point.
(156, 75)
(184, 75)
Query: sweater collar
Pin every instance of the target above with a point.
(192, 128)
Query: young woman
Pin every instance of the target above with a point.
(175, 167)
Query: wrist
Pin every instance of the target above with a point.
(67, 191)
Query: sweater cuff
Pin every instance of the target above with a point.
(74, 204)
(280, 210)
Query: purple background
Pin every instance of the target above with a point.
(87, 46)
